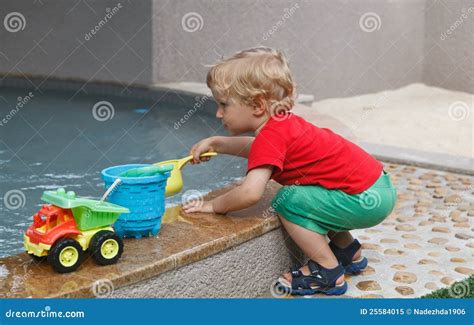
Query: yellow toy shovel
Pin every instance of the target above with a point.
(175, 181)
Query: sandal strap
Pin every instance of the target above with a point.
(345, 255)
(319, 275)
(314, 267)
(295, 272)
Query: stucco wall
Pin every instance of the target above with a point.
(449, 45)
(54, 42)
(333, 53)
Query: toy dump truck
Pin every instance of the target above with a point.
(68, 226)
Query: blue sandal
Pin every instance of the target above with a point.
(320, 280)
(345, 255)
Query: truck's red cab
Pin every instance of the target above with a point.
(50, 223)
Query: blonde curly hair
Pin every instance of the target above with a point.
(254, 74)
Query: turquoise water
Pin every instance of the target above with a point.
(56, 140)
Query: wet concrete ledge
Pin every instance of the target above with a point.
(183, 239)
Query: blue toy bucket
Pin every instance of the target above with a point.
(143, 196)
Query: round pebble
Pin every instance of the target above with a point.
(411, 236)
(459, 219)
(438, 241)
(431, 286)
(440, 229)
(452, 248)
(393, 251)
(368, 271)
(436, 272)
(370, 285)
(447, 280)
(404, 277)
(398, 267)
(455, 214)
(405, 227)
(462, 225)
(371, 246)
(463, 236)
(412, 246)
(425, 223)
(404, 290)
(426, 261)
(437, 218)
(388, 241)
(456, 199)
(464, 270)
(373, 231)
(457, 260)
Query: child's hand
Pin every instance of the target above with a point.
(198, 206)
(201, 147)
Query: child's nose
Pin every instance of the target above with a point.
(219, 113)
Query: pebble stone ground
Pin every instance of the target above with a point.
(426, 243)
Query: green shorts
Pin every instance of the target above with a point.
(321, 210)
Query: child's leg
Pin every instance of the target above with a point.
(314, 245)
(342, 240)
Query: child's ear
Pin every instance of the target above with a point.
(259, 106)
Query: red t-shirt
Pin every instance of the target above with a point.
(304, 154)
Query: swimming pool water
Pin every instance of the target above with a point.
(56, 140)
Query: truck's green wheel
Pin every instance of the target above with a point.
(106, 247)
(66, 255)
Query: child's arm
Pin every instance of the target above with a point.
(236, 146)
(241, 197)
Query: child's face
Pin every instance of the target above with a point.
(236, 117)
